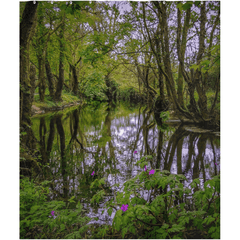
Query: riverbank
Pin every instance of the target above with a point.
(68, 100)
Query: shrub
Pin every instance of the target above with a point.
(170, 210)
(40, 218)
(93, 87)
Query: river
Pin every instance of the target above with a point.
(109, 140)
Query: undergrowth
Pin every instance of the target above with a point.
(153, 205)
(170, 211)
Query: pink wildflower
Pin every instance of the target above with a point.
(151, 172)
(124, 207)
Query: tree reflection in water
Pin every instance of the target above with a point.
(103, 139)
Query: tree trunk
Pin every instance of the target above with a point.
(180, 87)
(32, 82)
(26, 26)
(75, 80)
(58, 93)
(166, 56)
(41, 53)
(201, 88)
(41, 78)
(182, 43)
(50, 78)
(28, 141)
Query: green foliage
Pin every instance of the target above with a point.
(129, 94)
(164, 116)
(48, 102)
(166, 215)
(35, 213)
(93, 86)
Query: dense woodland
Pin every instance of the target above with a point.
(163, 54)
(167, 54)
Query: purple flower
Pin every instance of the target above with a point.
(135, 152)
(151, 172)
(145, 168)
(92, 173)
(124, 207)
(52, 212)
(216, 163)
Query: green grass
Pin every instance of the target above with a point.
(48, 102)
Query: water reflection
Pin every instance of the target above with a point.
(103, 139)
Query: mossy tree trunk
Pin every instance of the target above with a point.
(28, 141)
(198, 78)
(41, 78)
(40, 52)
(26, 27)
(58, 93)
(182, 43)
(32, 82)
(50, 77)
(74, 76)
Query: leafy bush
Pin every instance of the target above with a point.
(170, 210)
(40, 218)
(93, 87)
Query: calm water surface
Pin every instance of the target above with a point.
(103, 139)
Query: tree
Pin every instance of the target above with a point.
(60, 82)
(28, 141)
(196, 83)
(27, 27)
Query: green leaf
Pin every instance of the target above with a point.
(34, 208)
(197, 3)
(71, 199)
(186, 6)
(165, 226)
(132, 229)
(208, 220)
(62, 227)
(79, 206)
(179, 5)
(212, 229)
(194, 66)
(124, 231)
(110, 210)
(176, 228)
(162, 233)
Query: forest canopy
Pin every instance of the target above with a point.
(165, 51)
